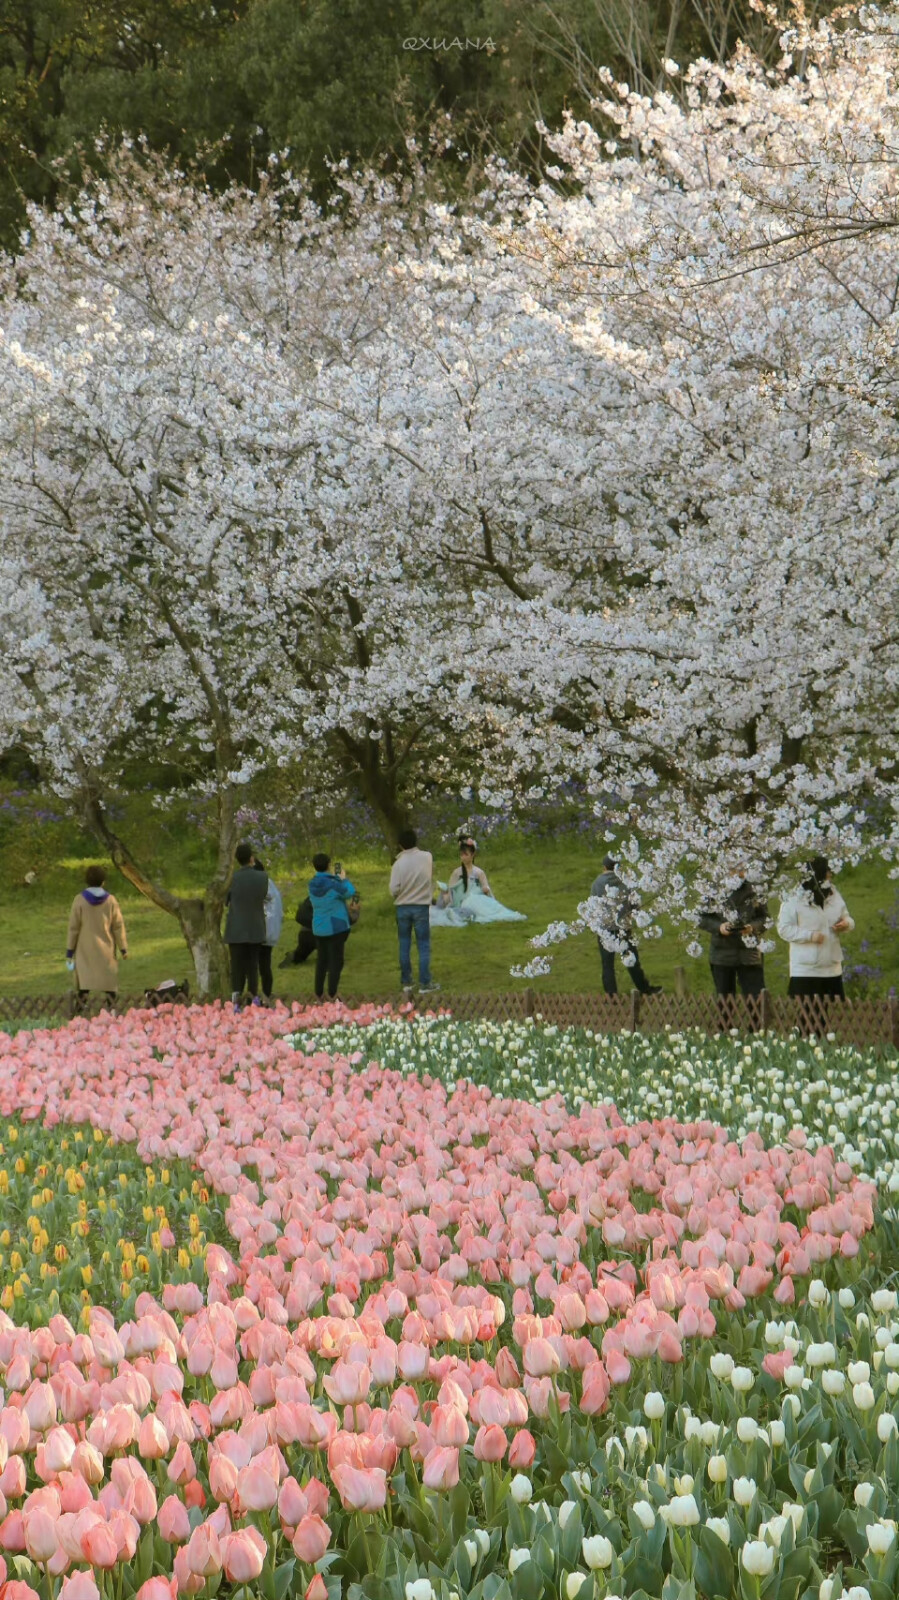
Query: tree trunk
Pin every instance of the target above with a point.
(379, 789)
(201, 925)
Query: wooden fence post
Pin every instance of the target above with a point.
(764, 1010)
(636, 997)
(529, 1002)
(680, 982)
(893, 1019)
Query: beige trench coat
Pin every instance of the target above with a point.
(95, 932)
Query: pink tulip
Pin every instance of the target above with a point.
(182, 1467)
(441, 1468)
(186, 1582)
(39, 1528)
(204, 1553)
(490, 1443)
(153, 1589)
(311, 1539)
(152, 1440)
(79, 1586)
(540, 1359)
(222, 1477)
(98, 1545)
(257, 1486)
(317, 1589)
(522, 1450)
(17, 1589)
(88, 1463)
(243, 1555)
(12, 1533)
(361, 1488)
(174, 1524)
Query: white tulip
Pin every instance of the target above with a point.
(794, 1377)
(574, 1583)
(833, 1381)
(483, 1539)
(721, 1365)
(720, 1526)
(420, 1589)
(747, 1429)
(863, 1396)
(684, 1485)
(597, 1552)
(757, 1558)
(566, 1510)
(472, 1550)
(521, 1489)
(820, 1355)
(846, 1299)
(681, 1511)
(777, 1432)
(654, 1405)
(880, 1536)
(717, 1469)
(742, 1379)
(518, 1557)
(864, 1494)
(644, 1513)
(887, 1426)
(744, 1491)
(884, 1301)
(818, 1294)
(858, 1372)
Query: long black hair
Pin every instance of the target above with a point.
(466, 844)
(815, 884)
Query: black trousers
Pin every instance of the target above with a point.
(329, 953)
(750, 979)
(609, 982)
(306, 947)
(826, 988)
(265, 969)
(244, 968)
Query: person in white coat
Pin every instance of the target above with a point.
(274, 919)
(811, 921)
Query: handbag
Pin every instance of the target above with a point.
(353, 909)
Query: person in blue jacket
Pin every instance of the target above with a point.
(329, 893)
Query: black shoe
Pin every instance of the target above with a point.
(287, 962)
(654, 988)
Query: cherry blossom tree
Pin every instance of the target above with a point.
(731, 262)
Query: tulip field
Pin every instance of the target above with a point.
(382, 1307)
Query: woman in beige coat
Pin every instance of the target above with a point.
(96, 931)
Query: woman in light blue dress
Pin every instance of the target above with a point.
(468, 896)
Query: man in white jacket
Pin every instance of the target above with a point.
(811, 921)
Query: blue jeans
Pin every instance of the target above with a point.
(419, 918)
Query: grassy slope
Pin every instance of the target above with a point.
(543, 879)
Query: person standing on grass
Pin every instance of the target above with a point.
(617, 911)
(96, 932)
(412, 888)
(274, 918)
(329, 892)
(741, 917)
(245, 924)
(811, 921)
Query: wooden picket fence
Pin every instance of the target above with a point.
(858, 1022)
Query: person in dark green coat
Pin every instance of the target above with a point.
(245, 924)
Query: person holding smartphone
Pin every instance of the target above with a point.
(811, 921)
(329, 892)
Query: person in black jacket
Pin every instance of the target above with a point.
(742, 915)
(618, 915)
(305, 937)
(245, 924)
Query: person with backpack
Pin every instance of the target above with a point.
(329, 892)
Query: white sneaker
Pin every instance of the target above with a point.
(428, 988)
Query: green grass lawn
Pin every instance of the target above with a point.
(545, 879)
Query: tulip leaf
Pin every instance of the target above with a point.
(460, 1503)
(648, 1574)
(714, 1565)
(851, 1534)
(283, 1577)
(572, 1534)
